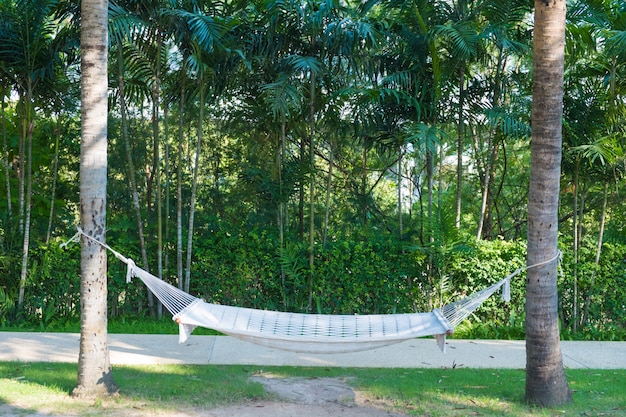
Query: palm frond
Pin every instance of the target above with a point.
(207, 31)
(283, 97)
(122, 24)
(424, 136)
(509, 123)
(461, 36)
(605, 150)
(304, 64)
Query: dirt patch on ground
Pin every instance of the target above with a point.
(304, 397)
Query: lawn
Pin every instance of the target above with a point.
(160, 390)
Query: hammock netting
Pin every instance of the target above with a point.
(311, 333)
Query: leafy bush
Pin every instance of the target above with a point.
(600, 295)
(484, 264)
(364, 277)
(362, 274)
(349, 277)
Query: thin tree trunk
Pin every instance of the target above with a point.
(159, 204)
(329, 186)
(364, 184)
(491, 149)
(546, 384)
(399, 175)
(301, 191)
(575, 239)
(312, 189)
(598, 254)
(280, 157)
(22, 166)
(459, 148)
(166, 231)
(179, 181)
(194, 185)
(156, 167)
(30, 123)
(130, 165)
(94, 367)
(29, 194)
(5, 158)
(486, 185)
(55, 174)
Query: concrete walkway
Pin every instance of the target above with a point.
(126, 349)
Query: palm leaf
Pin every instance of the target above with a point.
(605, 150)
(282, 96)
(462, 36)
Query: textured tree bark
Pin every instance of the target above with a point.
(546, 384)
(94, 368)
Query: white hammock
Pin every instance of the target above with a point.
(311, 333)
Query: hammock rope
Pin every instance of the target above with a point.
(311, 333)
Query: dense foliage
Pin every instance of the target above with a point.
(321, 156)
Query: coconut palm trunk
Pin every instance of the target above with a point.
(546, 384)
(94, 367)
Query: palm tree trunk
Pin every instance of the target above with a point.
(166, 228)
(130, 165)
(94, 367)
(364, 185)
(575, 239)
(546, 384)
(399, 175)
(179, 179)
(301, 191)
(329, 187)
(598, 254)
(491, 151)
(194, 184)
(311, 189)
(5, 158)
(27, 213)
(280, 157)
(459, 148)
(55, 175)
(29, 191)
(156, 91)
(22, 165)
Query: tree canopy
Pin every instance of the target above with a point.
(326, 156)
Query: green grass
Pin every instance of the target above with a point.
(45, 387)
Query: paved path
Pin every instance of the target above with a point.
(128, 349)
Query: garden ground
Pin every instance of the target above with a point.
(290, 396)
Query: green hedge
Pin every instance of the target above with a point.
(361, 275)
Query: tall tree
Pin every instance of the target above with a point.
(5, 155)
(28, 55)
(121, 27)
(546, 384)
(94, 367)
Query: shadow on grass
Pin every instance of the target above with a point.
(27, 389)
(49, 385)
